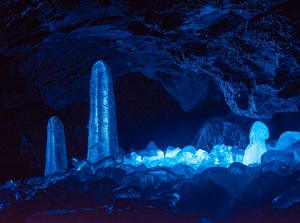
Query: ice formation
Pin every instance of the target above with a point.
(102, 139)
(257, 147)
(286, 139)
(186, 179)
(151, 157)
(179, 179)
(56, 154)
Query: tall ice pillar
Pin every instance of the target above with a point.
(103, 135)
(56, 153)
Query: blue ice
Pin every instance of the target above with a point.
(56, 153)
(258, 134)
(286, 139)
(102, 138)
(221, 155)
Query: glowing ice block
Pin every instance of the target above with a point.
(286, 139)
(257, 146)
(103, 138)
(56, 154)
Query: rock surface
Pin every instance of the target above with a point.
(250, 49)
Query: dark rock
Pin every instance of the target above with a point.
(224, 178)
(285, 157)
(205, 197)
(243, 173)
(288, 198)
(61, 45)
(277, 167)
(265, 188)
(102, 188)
(228, 130)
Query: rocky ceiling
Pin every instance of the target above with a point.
(248, 49)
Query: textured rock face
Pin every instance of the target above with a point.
(249, 49)
(226, 130)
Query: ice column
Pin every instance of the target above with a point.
(257, 146)
(56, 154)
(103, 136)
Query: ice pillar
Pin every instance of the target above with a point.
(103, 136)
(56, 154)
(258, 134)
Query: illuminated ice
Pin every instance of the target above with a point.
(171, 152)
(286, 139)
(102, 139)
(257, 147)
(150, 150)
(221, 155)
(295, 149)
(56, 154)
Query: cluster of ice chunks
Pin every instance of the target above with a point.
(181, 187)
(152, 156)
(286, 149)
(289, 142)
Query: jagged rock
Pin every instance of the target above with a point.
(250, 50)
(285, 157)
(221, 130)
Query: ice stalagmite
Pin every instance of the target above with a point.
(56, 154)
(103, 138)
(258, 134)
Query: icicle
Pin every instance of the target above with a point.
(103, 138)
(56, 155)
